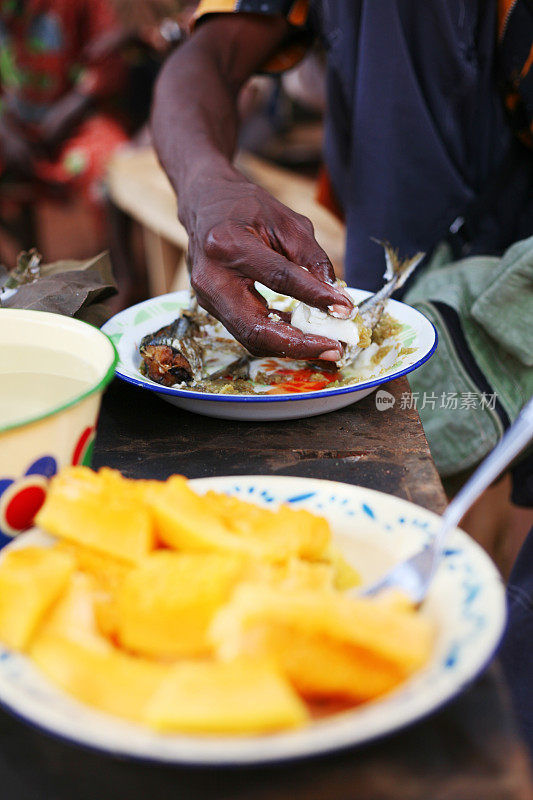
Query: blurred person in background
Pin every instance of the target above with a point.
(76, 80)
(146, 31)
(57, 123)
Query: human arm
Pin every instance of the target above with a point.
(238, 233)
(99, 72)
(17, 153)
(63, 117)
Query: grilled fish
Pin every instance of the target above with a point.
(189, 351)
(171, 354)
(195, 348)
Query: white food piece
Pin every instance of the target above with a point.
(364, 359)
(392, 356)
(362, 367)
(311, 320)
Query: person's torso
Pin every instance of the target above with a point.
(40, 42)
(415, 122)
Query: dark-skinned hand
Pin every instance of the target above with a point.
(238, 232)
(245, 235)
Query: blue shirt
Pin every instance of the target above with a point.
(416, 126)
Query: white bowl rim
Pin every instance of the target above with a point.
(281, 398)
(99, 386)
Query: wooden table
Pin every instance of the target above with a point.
(470, 750)
(385, 450)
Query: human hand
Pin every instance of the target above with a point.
(241, 234)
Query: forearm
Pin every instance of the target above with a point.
(194, 117)
(194, 131)
(238, 233)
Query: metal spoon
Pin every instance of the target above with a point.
(414, 575)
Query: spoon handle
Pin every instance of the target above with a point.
(514, 440)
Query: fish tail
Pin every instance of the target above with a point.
(398, 270)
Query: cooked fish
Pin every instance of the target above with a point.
(171, 354)
(189, 351)
(396, 274)
(356, 331)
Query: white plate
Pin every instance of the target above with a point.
(466, 601)
(127, 328)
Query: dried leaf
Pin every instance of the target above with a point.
(70, 288)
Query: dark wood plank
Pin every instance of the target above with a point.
(384, 450)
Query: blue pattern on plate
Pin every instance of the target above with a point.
(450, 660)
(299, 497)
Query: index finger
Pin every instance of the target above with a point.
(261, 263)
(244, 313)
(300, 246)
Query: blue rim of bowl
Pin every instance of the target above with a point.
(99, 386)
(192, 395)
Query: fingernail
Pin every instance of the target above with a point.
(340, 311)
(330, 355)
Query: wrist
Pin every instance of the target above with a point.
(199, 181)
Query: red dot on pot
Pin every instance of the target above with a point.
(23, 506)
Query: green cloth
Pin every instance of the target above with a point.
(493, 298)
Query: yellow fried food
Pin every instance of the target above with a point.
(199, 613)
(70, 651)
(102, 511)
(326, 643)
(164, 606)
(274, 534)
(184, 520)
(108, 572)
(106, 615)
(344, 575)
(242, 696)
(217, 523)
(31, 580)
(293, 574)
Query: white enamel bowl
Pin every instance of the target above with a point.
(466, 602)
(127, 328)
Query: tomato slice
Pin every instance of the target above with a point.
(299, 380)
